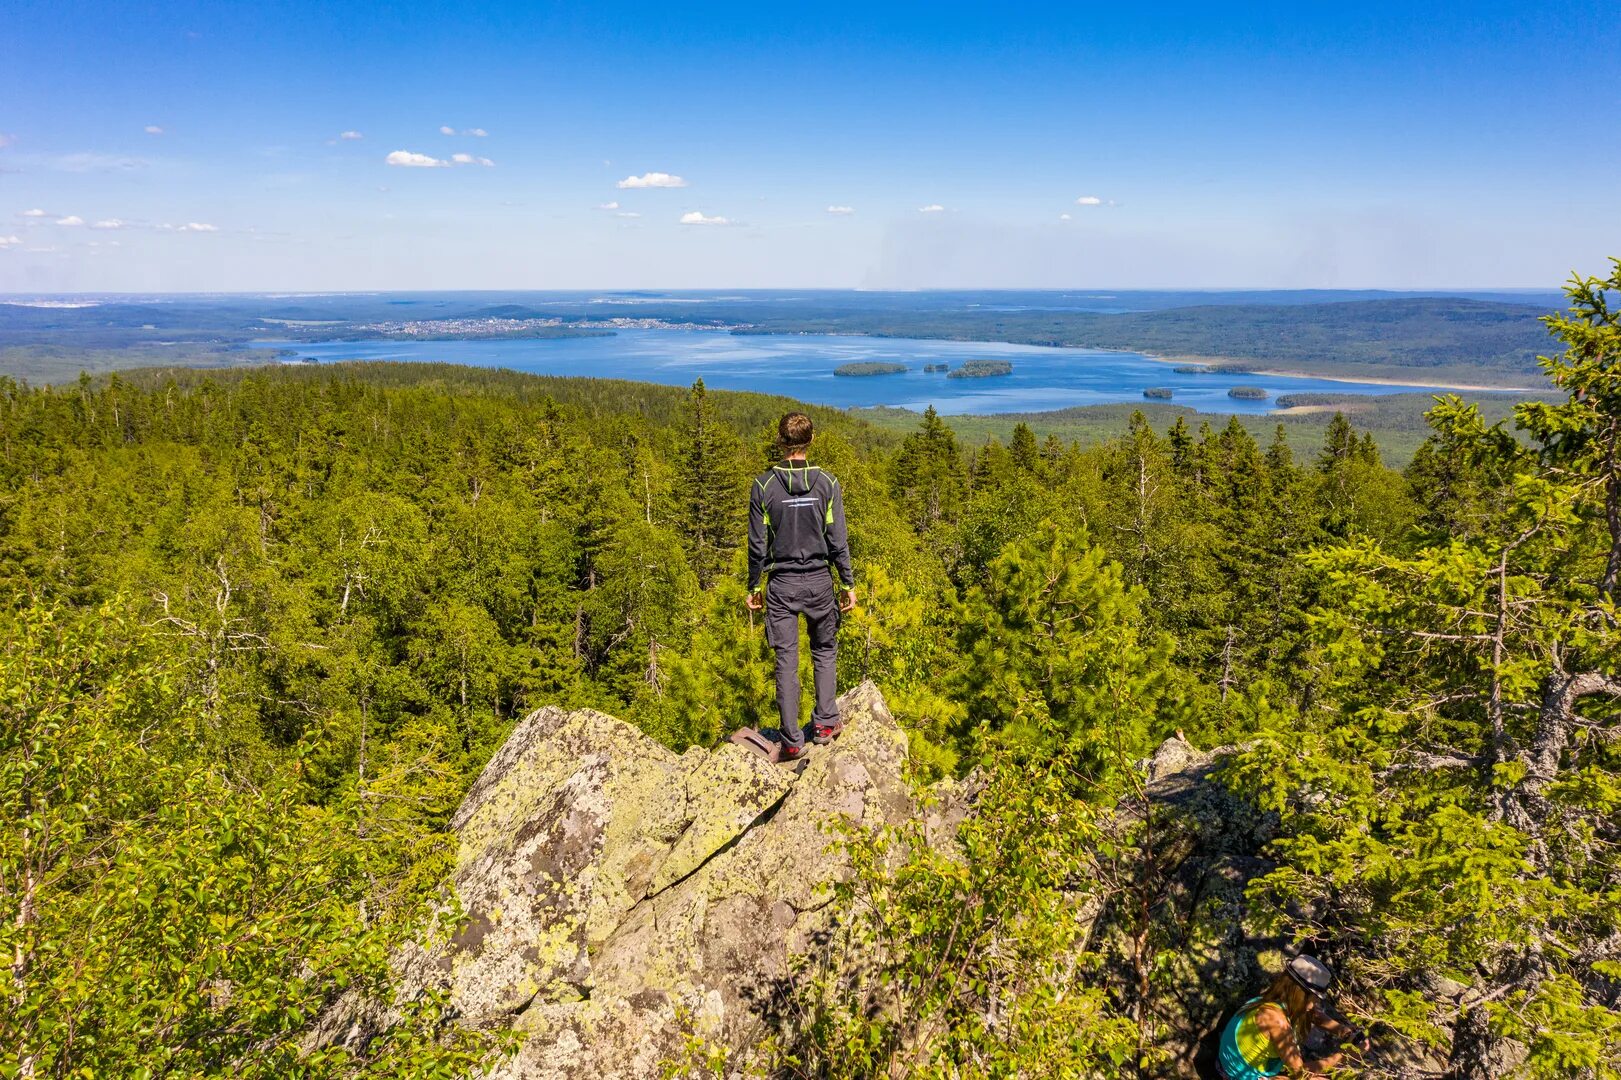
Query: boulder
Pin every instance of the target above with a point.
(618, 895)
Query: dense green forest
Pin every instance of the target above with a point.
(261, 629)
(1398, 422)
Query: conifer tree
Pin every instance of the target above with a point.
(1023, 447)
(1181, 446)
(711, 486)
(928, 477)
(1055, 653)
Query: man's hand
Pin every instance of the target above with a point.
(753, 602)
(847, 603)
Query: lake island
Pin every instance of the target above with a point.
(870, 368)
(982, 369)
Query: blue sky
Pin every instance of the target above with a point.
(1075, 145)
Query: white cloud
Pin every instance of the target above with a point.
(1063, 217)
(1089, 200)
(6, 140)
(932, 208)
(446, 129)
(477, 133)
(8, 241)
(36, 212)
(197, 226)
(841, 210)
(108, 223)
(627, 213)
(696, 217)
(652, 180)
(351, 136)
(153, 129)
(71, 219)
(608, 206)
(469, 159)
(412, 160)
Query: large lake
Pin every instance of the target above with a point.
(801, 366)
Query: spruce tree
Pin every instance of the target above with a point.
(711, 489)
(928, 476)
(1023, 447)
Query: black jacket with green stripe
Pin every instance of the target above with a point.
(796, 523)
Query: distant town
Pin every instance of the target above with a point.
(501, 327)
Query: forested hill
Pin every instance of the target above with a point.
(1440, 339)
(1451, 335)
(261, 629)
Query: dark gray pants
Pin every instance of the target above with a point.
(787, 597)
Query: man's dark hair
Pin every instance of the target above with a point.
(794, 431)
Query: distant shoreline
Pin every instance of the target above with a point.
(1249, 368)
(1378, 381)
(1291, 373)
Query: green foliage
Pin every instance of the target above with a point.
(161, 918)
(965, 959)
(1054, 653)
(928, 475)
(1451, 800)
(712, 483)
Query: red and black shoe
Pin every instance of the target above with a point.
(790, 752)
(822, 734)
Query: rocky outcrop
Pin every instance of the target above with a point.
(618, 897)
(617, 894)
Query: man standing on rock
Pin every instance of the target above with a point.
(797, 541)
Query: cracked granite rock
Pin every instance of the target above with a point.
(610, 885)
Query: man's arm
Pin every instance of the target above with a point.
(757, 535)
(838, 539)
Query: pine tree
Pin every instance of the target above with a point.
(1055, 652)
(1052, 449)
(1181, 445)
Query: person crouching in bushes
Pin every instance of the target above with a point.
(1265, 1036)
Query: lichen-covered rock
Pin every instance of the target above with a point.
(560, 836)
(1207, 849)
(616, 893)
(726, 790)
(713, 946)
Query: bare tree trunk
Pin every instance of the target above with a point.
(654, 679)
